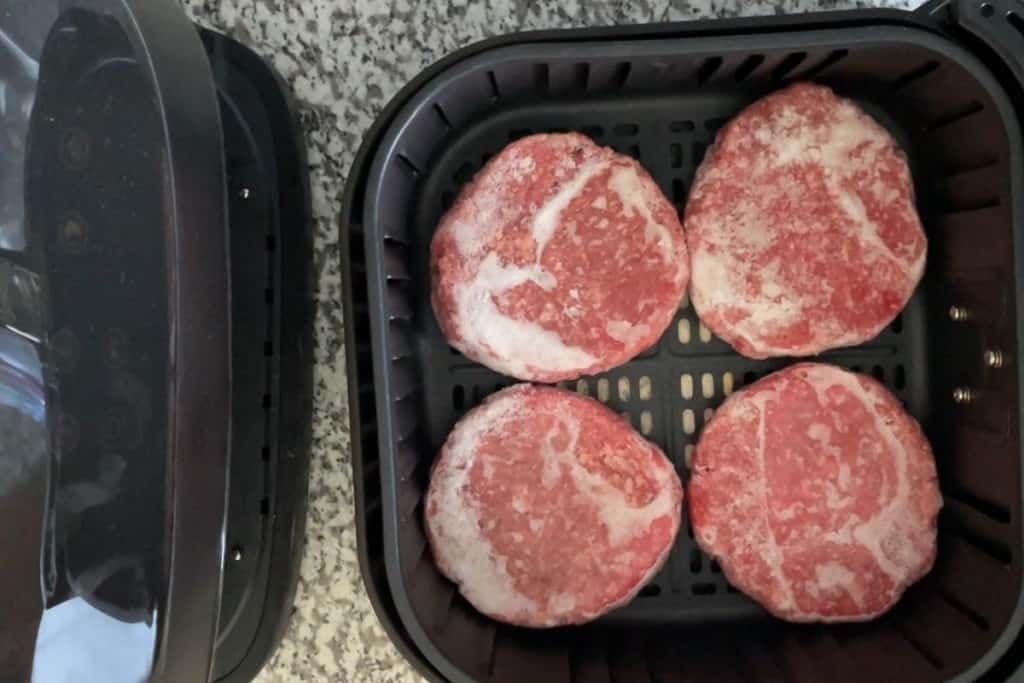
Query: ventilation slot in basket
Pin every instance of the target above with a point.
(704, 588)
(447, 199)
(968, 204)
(1016, 22)
(464, 174)
(409, 165)
(581, 76)
(492, 83)
(899, 379)
(625, 129)
(748, 67)
(698, 149)
(995, 550)
(396, 260)
(786, 66)
(541, 78)
(651, 591)
(713, 124)
(825, 64)
(915, 75)
(960, 606)
(994, 511)
(679, 193)
(955, 115)
(897, 324)
(696, 560)
(708, 69)
(920, 649)
(675, 151)
(979, 164)
(442, 116)
(621, 74)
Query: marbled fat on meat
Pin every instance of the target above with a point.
(801, 227)
(817, 493)
(546, 508)
(561, 258)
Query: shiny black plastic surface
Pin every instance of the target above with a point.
(94, 186)
(112, 216)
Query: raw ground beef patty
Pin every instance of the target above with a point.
(561, 258)
(817, 493)
(546, 508)
(801, 226)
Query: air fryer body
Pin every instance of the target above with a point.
(155, 372)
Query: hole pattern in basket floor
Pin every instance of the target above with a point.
(670, 391)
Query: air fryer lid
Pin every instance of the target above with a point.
(111, 221)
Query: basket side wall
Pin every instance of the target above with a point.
(965, 156)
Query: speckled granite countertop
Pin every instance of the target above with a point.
(344, 60)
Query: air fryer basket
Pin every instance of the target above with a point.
(662, 100)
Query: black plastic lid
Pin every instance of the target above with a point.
(111, 229)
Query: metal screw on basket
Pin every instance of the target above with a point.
(237, 553)
(958, 313)
(993, 358)
(963, 395)
(245, 193)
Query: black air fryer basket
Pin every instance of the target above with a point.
(947, 81)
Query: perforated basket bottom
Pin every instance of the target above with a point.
(670, 391)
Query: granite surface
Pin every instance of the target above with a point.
(344, 59)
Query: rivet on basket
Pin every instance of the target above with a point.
(993, 358)
(963, 395)
(958, 314)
